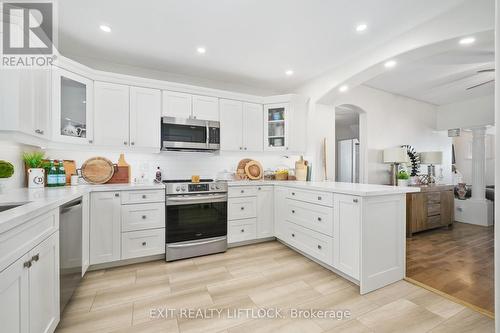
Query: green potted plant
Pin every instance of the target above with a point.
(6, 171)
(403, 178)
(34, 168)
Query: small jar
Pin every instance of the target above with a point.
(74, 180)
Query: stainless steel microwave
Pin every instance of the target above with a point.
(189, 134)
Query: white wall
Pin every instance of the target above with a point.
(463, 157)
(11, 152)
(466, 114)
(391, 120)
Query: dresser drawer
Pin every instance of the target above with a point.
(433, 209)
(241, 230)
(320, 198)
(434, 221)
(143, 216)
(142, 243)
(316, 217)
(313, 243)
(433, 197)
(242, 208)
(241, 191)
(133, 197)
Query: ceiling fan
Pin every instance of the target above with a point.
(483, 83)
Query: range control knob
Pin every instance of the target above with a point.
(217, 186)
(178, 188)
(212, 187)
(183, 188)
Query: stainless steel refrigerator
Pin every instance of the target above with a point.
(348, 161)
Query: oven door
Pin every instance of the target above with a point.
(195, 217)
(177, 133)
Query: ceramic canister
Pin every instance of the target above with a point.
(36, 178)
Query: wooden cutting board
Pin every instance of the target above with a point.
(97, 170)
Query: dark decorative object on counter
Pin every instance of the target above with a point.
(414, 160)
(462, 191)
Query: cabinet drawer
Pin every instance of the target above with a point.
(242, 208)
(433, 209)
(320, 198)
(434, 221)
(241, 230)
(315, 217)
(311, 242)
(132, 197)
(241, 191)
(142, 243)
(433, 197)
(143, 216)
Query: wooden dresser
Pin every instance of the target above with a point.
(431, 208)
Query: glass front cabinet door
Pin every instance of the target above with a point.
(72, 106)
(276, 127)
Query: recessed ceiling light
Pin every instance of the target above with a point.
(201, 50)
(361, 27)
(105, 28)
(344, 88)
(289, 72)
(390, 63)
(467, 41)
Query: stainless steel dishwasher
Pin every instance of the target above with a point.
(70, 249)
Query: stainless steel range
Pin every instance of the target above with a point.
(196, 218)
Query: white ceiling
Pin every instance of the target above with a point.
(249, 42)
(443, 78)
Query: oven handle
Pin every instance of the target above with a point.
(196, 199)
(192, 243)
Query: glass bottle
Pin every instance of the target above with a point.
(61, 174)
(52, 176)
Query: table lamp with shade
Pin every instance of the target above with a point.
(431, 158)
(395, 156)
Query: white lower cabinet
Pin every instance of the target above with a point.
(242, 208)
(313, 243)
(265, 211)
(29, 290)
(280, 194)
(242, 230)
(105, 227)
(143, 243)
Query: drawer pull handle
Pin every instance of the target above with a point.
(144, 196)
(355, 200)
(117, 194)
(260, 188)
(27, 264)
(319, 219)
(319, 247)
(242, 191)
(293, 212)
(143, 217)
(36, 257)
(319, 198)
(293, 193)
(242, 208)
(242, 230)
(293, 235)
(125, 143)
(144, 243)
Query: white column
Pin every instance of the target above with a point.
(478, 163)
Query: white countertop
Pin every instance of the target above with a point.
(44, 199)
(334, 187)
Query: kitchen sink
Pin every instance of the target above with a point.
(4, 207)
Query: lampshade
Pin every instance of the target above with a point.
(431, 157)
(396, 155)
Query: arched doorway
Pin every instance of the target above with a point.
(350, 144)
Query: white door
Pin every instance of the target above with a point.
(44, 286)
(14, 297)
(347, 232)
(205, 108)
(105, 227)
(253, 127)
(280, 194)
(145, 114)
(176, 104)
(34, 101)
(231, 120)
(72, 107)
(265, 211)
(85, 232)
(111, 114)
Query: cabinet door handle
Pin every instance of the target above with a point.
(242, 208)
(132, 143)
(91, 141)
(117, 194)
(245, 148)
(242, 191)
(293, 211)
(241, 148)
(36, 257)
(242, 230)
(144, 243)
(27, 264)
(260, 188)
(355, 200)
(319, 219)
(319, 198)
(144, 196)
(293, 235)
(293, 193)
(143, 217)
(319, 247)
(125, 143)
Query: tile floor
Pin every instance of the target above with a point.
(267, 275)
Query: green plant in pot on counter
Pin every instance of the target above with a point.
(6, 171)
(403, 178)
(35, 168)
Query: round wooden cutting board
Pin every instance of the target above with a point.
(97, 170)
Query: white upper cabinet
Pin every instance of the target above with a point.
(72, 101)
(276, 126)
(205, 108)
(176, 104)
(253, 131)
(231, 122)
(241, 126)
(111, 114)
(145, 114)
